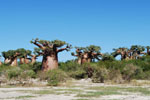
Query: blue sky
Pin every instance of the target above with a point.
(106, 23)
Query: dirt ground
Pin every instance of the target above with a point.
(79, 90)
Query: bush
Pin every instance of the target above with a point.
(129, 71)
(115, 76)
(28, 74)
(78, 74)
(13, 72)
(69, 66)
(37, 66)
(117, 65)
(42, 75)
(100, 75)
(56, 76)
(25, 66)
(145, 75)
(73, 69)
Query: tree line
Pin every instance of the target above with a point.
(49, 51)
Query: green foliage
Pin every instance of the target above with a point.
(14, 72)
(100, 75)
(56, 43)
(78, 74)
(129, 71)
(69, 66)
(42, 75)
(28, 74)
(18, 73)
(116, 71)
(115, 76)
(35, 67)
(24, 71)
(23, 52)
(56, 76)
(107, 69)
(137, 48)
(73, 69)
(37, 51)
(107, 57)
(93, 48)
(9, 53)
(145, 58)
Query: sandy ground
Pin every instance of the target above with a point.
(70, 91)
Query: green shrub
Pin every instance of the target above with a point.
(25, 66)
(115, 76)
(56, 76)
(78, 74)
(129, 71)
(14, 72)
(42, 75)
(100, 75)
(73, 69)
(37, 66)
(69, 66)
(28, 74)
(111, 64)
(145, 75)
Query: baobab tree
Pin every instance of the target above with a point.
(107, 57)
(79, 54)
(24, 55)
(122, 51)
(50, 50)
(87, 54)
(6, 57)
(11, 57)
(136, 51)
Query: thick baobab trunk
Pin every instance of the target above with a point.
(22, 60)
(14, 62)
(85, 58)
(79, 61)
(33, 59)
(26, 61)
(0, 63)
(49, 62)
(7, 61)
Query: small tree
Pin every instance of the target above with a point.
(50, 50)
